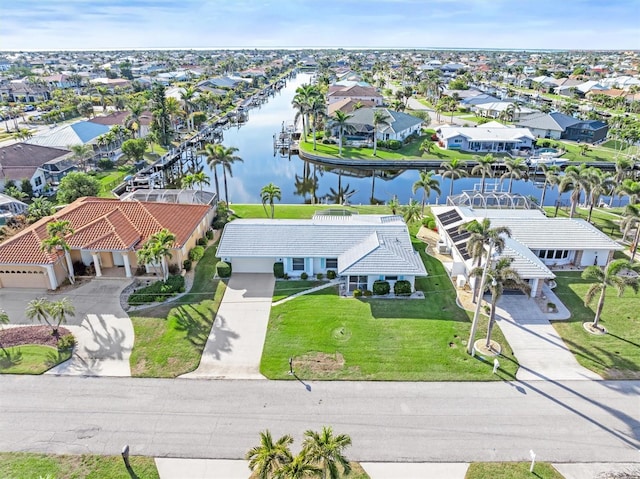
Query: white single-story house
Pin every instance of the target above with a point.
(538, 244)
(359, 248)
(490, 137)
(496, 108)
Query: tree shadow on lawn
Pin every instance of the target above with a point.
(196, 324)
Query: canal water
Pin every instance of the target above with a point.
(297, 178)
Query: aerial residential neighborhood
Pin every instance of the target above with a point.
(271, 259)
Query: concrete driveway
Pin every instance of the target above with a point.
(103, 331)
(235, 343)
(541, 352)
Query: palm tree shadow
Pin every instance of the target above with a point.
(194, 323)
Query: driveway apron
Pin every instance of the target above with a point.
(234, 347)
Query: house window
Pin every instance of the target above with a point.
(38, 181)
(391, 278)
(357, 282)
(332, 263)
(297, 264)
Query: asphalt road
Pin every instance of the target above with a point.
(581, 421)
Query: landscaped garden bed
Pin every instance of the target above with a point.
(33, 349)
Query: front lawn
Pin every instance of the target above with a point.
(302, 211)
(21, 465)
(284, 289)
(331, 337)
(615, 355)
(511, 470)
(31, 359)
(169, 339)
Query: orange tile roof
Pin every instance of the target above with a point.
(105, 224)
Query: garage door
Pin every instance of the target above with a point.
(24, 280)
(252, 265)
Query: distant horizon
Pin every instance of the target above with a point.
(510, 25)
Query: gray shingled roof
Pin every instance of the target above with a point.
(363, 244)
(362, 119)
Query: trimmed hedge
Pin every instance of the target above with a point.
(209, 234)
(201, 242)
(331, 274)
(402, 288)
(223, 269)
(380, 288)
(158, 291)
(304, 276)
(186, 264)
(196, 253)
(278, 269)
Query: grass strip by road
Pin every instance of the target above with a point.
(169, 339)
(20, 465)
(31, 359)
(511, 470)
(615, 355)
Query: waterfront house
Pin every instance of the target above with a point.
(355, 93)
(400, 125)
(559, 126)
(360, 249)
(490, 137)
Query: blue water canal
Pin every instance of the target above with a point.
(296, 177)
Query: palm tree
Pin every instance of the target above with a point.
(269, 457)
(599, 184)
(187, 181)
(631, 220)
(57, 232)
(577, 180)
(516, 169)
(300, 467)
(302, 101)
(163, 241)
(482, 234)
(81, 153)
(200, 178)
(327, 450)
(269, 194)
(225, 157)
(623, 170)
(380, 118)
(211, 156)
(411, 212)
(132, 122)
(609, 276)
(40, 310)
(188, 97)
(317, 109)
(427, 183)
(394, 204)
(483, 167)
(454, 169)
(339, 120)
(499, 276)
(551, 178)
(427, 145)
(59, 311)
(39, 208)
(630, 188)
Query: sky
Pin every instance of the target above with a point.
(507, 24)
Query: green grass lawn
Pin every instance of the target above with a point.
(20, 465)
(303, 211)
(31, 359)
(284, 289)
(169, 339)
(573, 152)
(615, 355)
(108, 180)
(511, 470)
(331, 337)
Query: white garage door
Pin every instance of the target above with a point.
(24, 280)
(252, 265)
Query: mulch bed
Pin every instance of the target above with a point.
(30, 335)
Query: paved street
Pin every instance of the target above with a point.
(582, 421)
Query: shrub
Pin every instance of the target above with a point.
(357, 293)
(158, 291)
(402, 288)
(304, 275)
(381, 288)
(320, 276)
(209, 235)
(223, 269)
(325, 141)
(66, 342)
(546, 143)
(174, 269)
(196, 253)
(368, 293)
(186, 264)
(140, 270)
(202, 242)
(331, 274)
(429, 222)
(394, 144)
(285, 276)
(278, 269)
(105, 163)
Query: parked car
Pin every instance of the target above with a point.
(29, 108)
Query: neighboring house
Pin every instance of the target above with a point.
(400, 126)
(24, 160)
(120, 118)
(348, 105)
(359, 248)
(355, 93)
(559, 126)
(490, 137)
(495, 109)
(10, 207)
(220, 82)
(107, 234)
(59, 80)
(538, 244)
(79, 133)
(23, 92)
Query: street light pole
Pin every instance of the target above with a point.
(476, 316)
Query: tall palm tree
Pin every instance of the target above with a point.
(339, 120)
(551, 178)
(516, 169)
(427, 183)
(174, 109)
(608, 277)
(454, 169)
(600, 183)
(163, 241)
(380, 119)
(188, 96)
(302, 101)
(327, 450)
(483, 167)
(630, 188)
(623, 170)
(631, 220)
(269, 457)
(40, 310)
(211, 155)
(225, 157)
(576, 179)
(482, 235)
(300, 467)
(269, 193)
(317, 110)
(60, 310)
(499, 276)
(132, 122)
(81, 153)
(187, 181)
(57, 232)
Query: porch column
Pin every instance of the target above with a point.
(534, 283)
(51, 272)
(96, 264)
(127, 265)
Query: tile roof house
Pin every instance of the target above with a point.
(538, 244)
(354, 92)
(359, 248)
(107, 234)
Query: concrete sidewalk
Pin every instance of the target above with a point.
(234, 347)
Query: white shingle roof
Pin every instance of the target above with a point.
(480, 133)
(527, 264)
